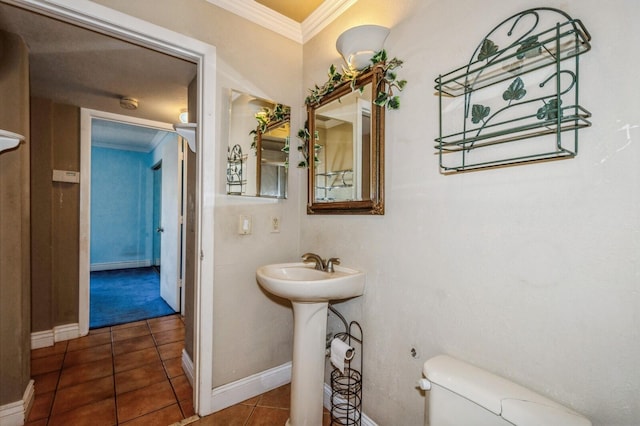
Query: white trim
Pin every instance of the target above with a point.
(365, 420)
(15, 413)
(86, 117)
(99, 18)
(323, 16)
(232, 393)
(46, 338)
(42, 339)
(66, 332)
(259, 14)
(263, 16)
(187, 366)
(109, 266)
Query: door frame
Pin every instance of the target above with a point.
(111, 22)
(86, 117)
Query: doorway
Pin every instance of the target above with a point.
(98, 18)
(136, 193)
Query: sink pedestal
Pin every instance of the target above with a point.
(307, 374)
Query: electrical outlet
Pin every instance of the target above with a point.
(275, 224)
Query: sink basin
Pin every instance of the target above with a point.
(301, 282)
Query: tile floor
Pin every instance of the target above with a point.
(131, 374)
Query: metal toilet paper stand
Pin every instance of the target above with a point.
(346, 388)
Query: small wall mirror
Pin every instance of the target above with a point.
(257, 153)
(346, 171)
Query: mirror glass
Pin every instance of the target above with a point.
(348, 139)
(257, 153)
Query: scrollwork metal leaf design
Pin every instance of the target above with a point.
(488, 49)
(479, 113)
(550, 110)
(527, 47)
(515, 92)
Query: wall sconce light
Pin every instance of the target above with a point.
(358, 44)
(184, 116)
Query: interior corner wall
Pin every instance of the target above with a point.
(56, 146)
(15, 343)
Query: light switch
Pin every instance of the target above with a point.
(244, 225)
(275, 224)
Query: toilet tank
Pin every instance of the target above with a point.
(462, 394)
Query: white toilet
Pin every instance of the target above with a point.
(460, 394)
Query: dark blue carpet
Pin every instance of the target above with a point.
(125, 295)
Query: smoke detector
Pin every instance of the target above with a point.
(128, 103)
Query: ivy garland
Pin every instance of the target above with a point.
(384, 98)
(267, 116)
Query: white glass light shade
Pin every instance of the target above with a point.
(358, 44)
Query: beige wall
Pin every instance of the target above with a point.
(14, 223)
(251, 331)
(531, 272)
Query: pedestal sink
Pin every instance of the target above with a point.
(310, 291)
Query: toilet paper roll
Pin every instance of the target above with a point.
(340, 352)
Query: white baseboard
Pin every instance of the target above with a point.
(43, 339)
(15, 413)
(365, 421)
(107, 266)
(187, 366)
(232, 393)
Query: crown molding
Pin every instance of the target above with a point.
(287, 27)
(325, 14)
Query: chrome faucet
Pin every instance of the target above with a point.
(312, 257)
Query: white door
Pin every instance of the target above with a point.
(171, 236)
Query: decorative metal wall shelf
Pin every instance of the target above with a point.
(520, 85)
(236, 173)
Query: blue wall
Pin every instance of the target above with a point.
(121, 207)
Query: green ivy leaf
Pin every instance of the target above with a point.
(394, 103)
(515, 92)
(479, 113)
(550, 110)
(379, 57)
(487, 50)
(525, 45)
(381, 99)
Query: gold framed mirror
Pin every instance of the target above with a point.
(345, 153)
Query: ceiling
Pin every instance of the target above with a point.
(73, 65)
(296, 10)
